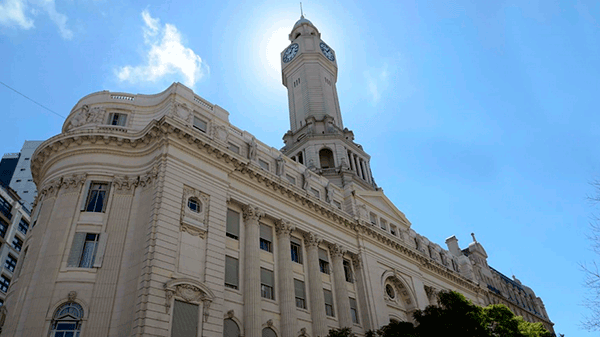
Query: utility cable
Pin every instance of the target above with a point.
(56, 113)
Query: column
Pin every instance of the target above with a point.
(339, 282)
(252, 300)
(315, 283)
(361, 293)
(368, 170)
(357, 166)
(351, 161)
(287, 298)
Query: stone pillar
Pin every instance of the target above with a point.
(351, 161)
(287, 298)
(339, 281)
(357, 166)
(252, 300)
(317, 298)
(361, 293)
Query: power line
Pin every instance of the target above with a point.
(54, 112)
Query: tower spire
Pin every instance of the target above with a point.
(301, 12)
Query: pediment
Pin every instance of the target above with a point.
(379, 203)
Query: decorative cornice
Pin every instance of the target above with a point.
(51, 188)
(125, 183)
(74, 181)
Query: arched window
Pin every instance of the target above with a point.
(230, 328)
(67, 320)
(326, 158)
(268, 332)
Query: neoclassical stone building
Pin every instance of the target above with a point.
(157, 217)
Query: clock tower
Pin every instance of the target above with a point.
(317, 137)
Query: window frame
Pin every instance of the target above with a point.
(296, 250)
(230, 232)
(267, 291)
(265, 242)
(354, 310)
(230, 285)
(324, 262)
(4, 283)
(117, 119)
(327, 294)
(10, 263)
(88, 198)
(300, 299)
(196, 124)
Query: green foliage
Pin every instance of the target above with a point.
(457, 316)
(342, 332)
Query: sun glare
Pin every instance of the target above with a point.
(275, 42)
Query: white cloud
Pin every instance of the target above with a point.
(377, 82)
(166, 56)
(13, 14)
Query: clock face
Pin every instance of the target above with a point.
(290, 52)
(327, 51)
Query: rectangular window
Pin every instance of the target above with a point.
(5, 208)
(296, 248)
(267, 284)
(353, 310)
(323, 261)
(185, 319)
(300, 294)
(118, 119)
(232, 229)
(4, 283)
(266, 238)
(17, 244)
(87, 250)
(11, 263)
(3, 227)
(337, 204)
(23, 226)
(291, 179)
(232, 272)
(18, 180)
(263, 164)
(200, 124)
(315, 192)
(393, 230)
(328, 303)
(373, 218)
(348, 272)
(96, 200)
(383, 224)
(234, 148)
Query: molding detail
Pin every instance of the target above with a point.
(252, 212)
(51, 188)
(193, 230)
(284, 228)
(188, 290)
(125, 183)
(336, 250)
(312, 239)
(149, 177)
(74, 181)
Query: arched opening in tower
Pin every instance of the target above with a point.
(326, 159)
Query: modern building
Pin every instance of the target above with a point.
(15, 171)
(157, 217)
(14, 224)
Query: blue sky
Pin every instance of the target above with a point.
(479, 116)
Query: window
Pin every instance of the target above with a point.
(353, 310)
(26, 158)
(315, 192)
(454, 265)
(185, 319)
(323, 261)
(263, 164)
(117, 119)
(326, 159)
(4, 283)
(266, 284)
(5, 208)
(17, 244)
(230, 328)
(232, 228)
(373, 218)
(3, 227)
(23, 226)
(87, 250)
(234, 148)
(22, 169)
(268, 332)
(194, 205)
(25, 191)
(18, 180)
(266, 238)
(337, 204)
(11, 263)
(383, 224)
(296, 248)
(67, 320)
(300, 294)
(96, 200)
(328, 303)
(393, 230)
(389, 290)
(231, 272)
(348, 272)
(200, 124)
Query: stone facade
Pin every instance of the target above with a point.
(157, 217)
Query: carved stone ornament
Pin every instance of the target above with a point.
(252, 149)
(283, 227)
(149, 177)
(74, 181)
(306, 176)
(280, 166)
(431, 293)
(193, 230)
(87, 116)
(51, 188)
(200, 213)
(329, 193)
(187, 292)
(312, 239)
(336, 250)
(270, 323)
(357, 261)
(252, 213)
(303, 333)
(125, 183)
(230, 314)
(182, 111)
(72, 296)
(220, 133)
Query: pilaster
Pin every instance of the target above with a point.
(287, 299)
(339, 280)
(317, 298)
(252, 300)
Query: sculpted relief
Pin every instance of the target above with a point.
(86, 116)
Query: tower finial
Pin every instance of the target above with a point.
(301, 12)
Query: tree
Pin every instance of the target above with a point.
(342, 332)
(457, 316)
(592, 275)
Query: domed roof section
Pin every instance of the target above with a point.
(303, 27)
